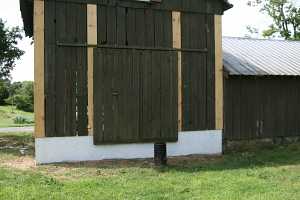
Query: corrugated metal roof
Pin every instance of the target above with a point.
(243, 56)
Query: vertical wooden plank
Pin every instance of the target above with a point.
(210, 95)
(90, 55)
(111, 25)
(146, 96)
(102, 24)
(130, 27)
(140, 27)
(133, 94)
(98, 124)
(108, 67)
(218, 72)
(176, 24)
(149, 28)
(92, 39)
(121, 26)
(50, 51)
(92, 24)
(39, 101)
(82, 92)
(164, 94)
(156, 94)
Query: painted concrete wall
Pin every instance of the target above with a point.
(72, 149)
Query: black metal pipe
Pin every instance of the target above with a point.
(160, 154)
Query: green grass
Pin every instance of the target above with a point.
(272, 173)
(8, 113)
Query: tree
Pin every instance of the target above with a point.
(4, 91)
(285, 15)
(9, 52)
(21, 95)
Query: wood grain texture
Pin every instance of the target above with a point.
(90, 89)
(176, 24)
(195, 73)
(66, 88)
(92, 24)
(92, 39)
(261, 107)
(39, 97)
(218, 72)
(135, 96)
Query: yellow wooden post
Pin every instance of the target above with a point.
(176, 18)
(218, 72)
(39, 97)
(91, 40)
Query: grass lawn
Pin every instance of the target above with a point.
(272, 173)
(8, 113)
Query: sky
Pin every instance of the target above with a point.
(235, 22)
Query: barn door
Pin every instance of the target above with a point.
(135, 96)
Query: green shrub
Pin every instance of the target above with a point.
(22, 103)
(22, 96)
(22, 120)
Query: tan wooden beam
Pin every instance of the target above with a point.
(92, 40)
(90, 90)
(176, 21)
(218, 72)
(92, 24)
(39, 97)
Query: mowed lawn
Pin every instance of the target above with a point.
(272, 173)
(9, 113)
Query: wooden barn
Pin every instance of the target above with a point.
(112, 77)
(261, 88)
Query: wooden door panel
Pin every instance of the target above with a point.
(135, 96)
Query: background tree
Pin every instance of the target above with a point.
(4, 90)
(285, 15)
(9, 52)
(21, 95)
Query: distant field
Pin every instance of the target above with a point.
(9, 113)
(272, 173)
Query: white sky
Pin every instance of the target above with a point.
(234, 24)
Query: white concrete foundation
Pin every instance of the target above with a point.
(70, 149)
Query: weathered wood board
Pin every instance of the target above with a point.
(135, 96)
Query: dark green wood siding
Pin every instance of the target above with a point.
(65, 70)
(261, 107)
(130, 24)
(198, 72)
(135, 96)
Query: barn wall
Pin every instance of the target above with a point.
(65, 69)
(66, 57)
(263, 107)
(198, 74)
